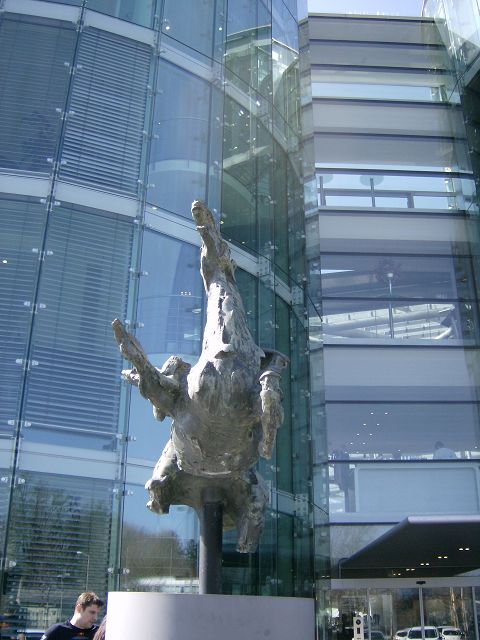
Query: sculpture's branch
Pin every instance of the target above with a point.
(271, 399)
(215, 251)
(162, 390)
(130, 348)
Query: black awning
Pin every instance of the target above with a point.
(419, 546)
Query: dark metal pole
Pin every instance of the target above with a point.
(210, 553)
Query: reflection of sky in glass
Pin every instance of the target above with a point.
(181, 519)
(374, 7)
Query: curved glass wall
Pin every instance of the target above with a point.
(115, 116)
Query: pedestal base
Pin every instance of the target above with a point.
(163, 616)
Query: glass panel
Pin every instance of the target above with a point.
(403, 431)
(380, 619)
(179, 151)
(392, 612)
(410, 373)
(376, 190)
(437, 322)
(398, 31)
(379, 54)
(83, 287)
(22, 225)
(248, 47)
(406, 610)
(137, 11)
(159, 553)
(104, 131)
(426, 277)
(34, 76)
(344, 605)
(387, 117)
(387, 151)
(59, 539)
(450, 607)
(246, 163)
(171, 315)
(382, 92)
(199, 36)
(390, 491)
(284, 25)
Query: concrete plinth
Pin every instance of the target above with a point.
(162, 616)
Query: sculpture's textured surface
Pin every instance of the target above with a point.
(225, 409)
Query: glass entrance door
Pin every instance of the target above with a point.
(451, 610)
(405, 613)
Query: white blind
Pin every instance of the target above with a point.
(104, 133)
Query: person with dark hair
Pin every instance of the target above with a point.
(100, 634)
(82, 625)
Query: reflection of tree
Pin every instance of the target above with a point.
(50, 524)
(147, 554)
(40, 537)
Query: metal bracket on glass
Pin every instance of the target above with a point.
(297, 294)
(134, 272)
(27, 363)
(301, 505)
(41, 254)
(34, 307)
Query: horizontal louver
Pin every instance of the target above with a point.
(21, 226)
(83, 286)
(104, 132)
(33, 87)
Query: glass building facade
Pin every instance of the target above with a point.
(115, 116)
(339, 154)
(392, 250)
